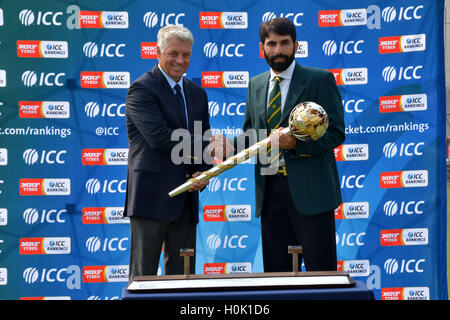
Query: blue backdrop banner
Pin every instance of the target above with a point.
(65, 67)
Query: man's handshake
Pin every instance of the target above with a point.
(219, 147)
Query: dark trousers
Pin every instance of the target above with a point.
(282, 225)
(148, 237)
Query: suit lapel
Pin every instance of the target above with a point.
(295, 92)
(261, 95)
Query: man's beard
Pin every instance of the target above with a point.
(279, 66)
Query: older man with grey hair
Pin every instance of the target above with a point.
(159, 102)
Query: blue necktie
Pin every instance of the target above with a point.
(180, 99)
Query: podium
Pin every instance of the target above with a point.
(336, 285)
(293, 285)
(239, 282)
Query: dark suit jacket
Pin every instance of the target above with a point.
(312, 173)
(152, 114)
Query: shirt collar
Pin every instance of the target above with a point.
(286, 74)
(171, 82)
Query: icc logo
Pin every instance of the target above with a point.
(32, 215)
(330, 47)
(31, 78)
(70, 275)
(353, 181)
(92, 109)
(390, 149)
(151, 19)
(233, 184)
(27, 18)
(93, 244)
(214, 242)
(392, 266)
(94, 186)
(230, 109)
(391, 207)
(31, 156)
(211, 49)
(91, 50)
(389, 14)
(390, 73)
(296, 17)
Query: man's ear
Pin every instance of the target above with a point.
(158, 52)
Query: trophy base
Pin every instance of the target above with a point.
(247, 281)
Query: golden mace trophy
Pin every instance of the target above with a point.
(307, 121)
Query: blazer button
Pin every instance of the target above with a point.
(187, 176)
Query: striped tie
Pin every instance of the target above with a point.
(274, 113)
(274, 108)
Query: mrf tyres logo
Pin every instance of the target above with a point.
(225, 79)
(105, 80)
(44, 187)
(352, 152)
(350, 76)
(46, 245)
(342, 18)
(101, 274)
(223, 20)
(372, 16)
(403, 103)
(406, 43)
(405, 293)
(404, 237)
(352, 210)
(356, 268)
(404, 179)
(44, 109)
(42, 49)
(104, 215)
(227, 268)
(110, 157)
(227, 213)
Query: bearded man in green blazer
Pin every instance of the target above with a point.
(296, 202)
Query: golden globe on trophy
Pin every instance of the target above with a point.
(307, 121)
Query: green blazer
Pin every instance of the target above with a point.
(311, 169)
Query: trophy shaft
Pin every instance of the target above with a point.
(307, 121)
(225, 165)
